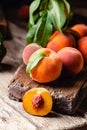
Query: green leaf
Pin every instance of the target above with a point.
(33, 7)
(44, 31)
(34, 61)
(36, 35)
(45, 17)
(31, 34)
(41, 32)
(47, 30)
(44, 5)
(70, 15)
(67, 5)
(57, 13)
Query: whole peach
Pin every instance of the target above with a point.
(81, 29)
(28, 50)
(59, 41)
(72, 60)
(48, 68)
(82, 46)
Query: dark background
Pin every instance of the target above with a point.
(78, 3)
(79, 8)
(74, 3)
(13, 3)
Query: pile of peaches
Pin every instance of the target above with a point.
(65, 52)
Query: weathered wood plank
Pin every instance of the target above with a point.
(67, 94)
(15, 46)
(9, 119)
(52, 121)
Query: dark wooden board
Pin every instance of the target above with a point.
(67, 92)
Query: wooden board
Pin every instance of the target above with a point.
(68, 93)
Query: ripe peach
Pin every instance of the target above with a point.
(80, 28)
(47, 69)
(72, 60)
(28, 50)
(82, 46)
(37, 101)
(59, 41)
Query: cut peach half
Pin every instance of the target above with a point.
(37, 101)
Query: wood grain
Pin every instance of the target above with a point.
(12, 112)
(67, 93)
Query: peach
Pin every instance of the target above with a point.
(74, 34)
(46, 69)
(81, 29)
(82, 46)
(72, 60)
(59, 41)
(37, 101)
(28, 50)
(23, 12)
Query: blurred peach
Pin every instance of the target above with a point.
(23, 12)
(72, 60)
(28, 50)
(80, 28)
(82, 46)
(59, 41)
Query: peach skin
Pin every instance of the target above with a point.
(82, 46)
(72, 60)
(59, 41)
(47, 68)
(28, 50)
(81, 29)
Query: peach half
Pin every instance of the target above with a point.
(72, 60)
(37, 101)
(44, 65)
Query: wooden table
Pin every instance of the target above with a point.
(12, 114)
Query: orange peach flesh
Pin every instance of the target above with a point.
(47, 102)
